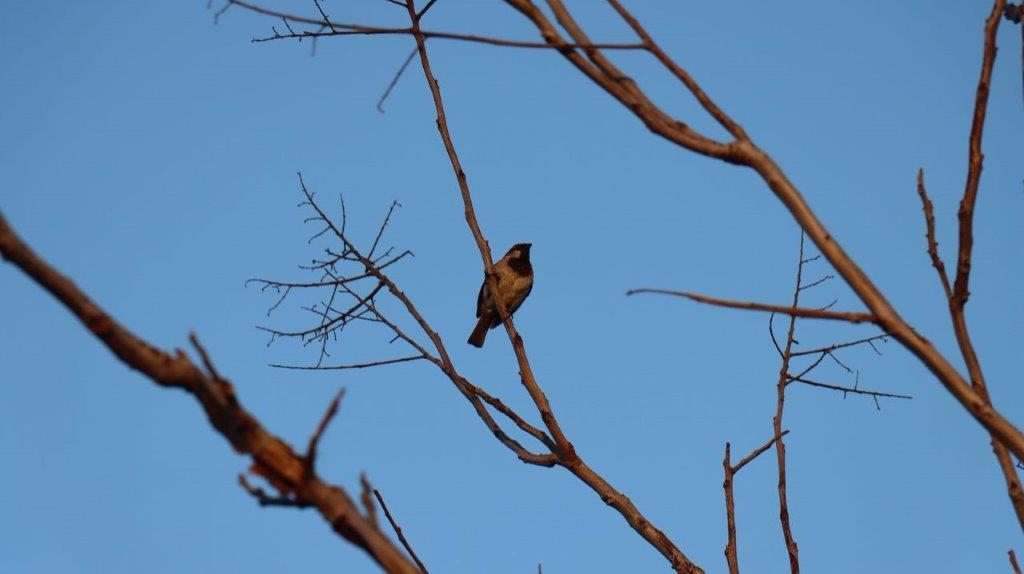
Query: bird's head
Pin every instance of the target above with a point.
(520, 251)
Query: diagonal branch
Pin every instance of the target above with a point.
(314, 440)
(565, 451)
(957, 298)
(271, 456)
(744, 152)
(398, 531)
(933, 245)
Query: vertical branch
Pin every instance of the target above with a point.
(1013, 562)
(780, 405)
(957, 296)
(975, 158)
(730, 513)
(730, 507)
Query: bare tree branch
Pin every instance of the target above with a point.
(730, 505)
(957, 296)
(398, 531)
(744, 152)
(394, 80)
(328, 27)
(792, 549)
(271, 456)
(848, 316)
(314, 440)
(565, 451)
(933, 245)
(844, 390)
(837, 346)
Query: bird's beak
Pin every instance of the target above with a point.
(528, 246)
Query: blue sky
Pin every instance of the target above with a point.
(151, 156)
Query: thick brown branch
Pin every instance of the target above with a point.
(745, 152)
(848, 316)
(271, 456)
(682, 75)
(622, 88)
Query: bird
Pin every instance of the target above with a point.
(514, 276)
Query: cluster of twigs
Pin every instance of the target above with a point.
(815, 357)
(345, 304)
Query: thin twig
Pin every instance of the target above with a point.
(263, 498)
(334, 28)
(848, 316)
(837, 346)
(1013, 562)
(352, 366)
(792, 549)
(845, 390)
(394, 80)
(366, 499)
(314, 440)
(398, 531)
(758, 451)
(933, 245)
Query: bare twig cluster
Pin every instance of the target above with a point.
(788, 375)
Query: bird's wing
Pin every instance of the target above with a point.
(482, 298)
(519, 303)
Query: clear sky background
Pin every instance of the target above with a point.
(151, 156)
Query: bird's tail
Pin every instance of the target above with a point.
(476, 338)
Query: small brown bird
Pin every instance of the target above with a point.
(514, 275)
